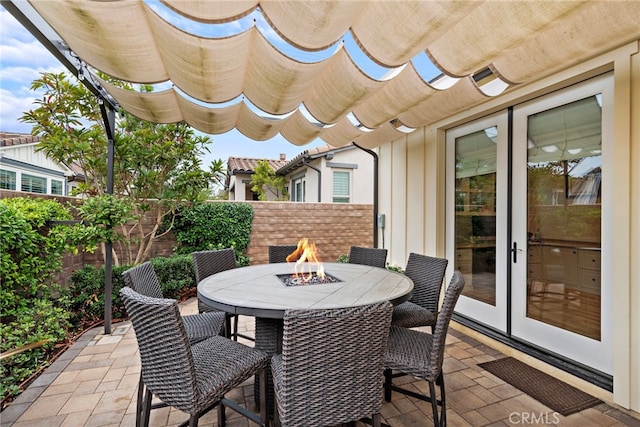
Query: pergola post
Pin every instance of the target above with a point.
(109, 118)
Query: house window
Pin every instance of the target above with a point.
(56, 187)
(33, 184)
(299, 187)
(341, 186)
(7, 180)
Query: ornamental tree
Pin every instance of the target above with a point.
(157, 167)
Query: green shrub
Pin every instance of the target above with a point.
(175, 274)
(32, 307)
(87, 295)
(344, 258)
(211, 226)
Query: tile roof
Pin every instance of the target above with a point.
(237, 165)
(8, 139)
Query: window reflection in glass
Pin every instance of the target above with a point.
(475, 219)
(564, 182)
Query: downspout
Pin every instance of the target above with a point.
(109, 119)
(304, 162)
(375, 192)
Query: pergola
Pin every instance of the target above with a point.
(217, 82)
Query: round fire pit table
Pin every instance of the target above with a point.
(265, 291)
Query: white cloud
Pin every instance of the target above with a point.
(12, 107)
(13, 52)
(22, 60)
(10, 28)
(24, 75)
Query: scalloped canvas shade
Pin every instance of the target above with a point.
(519, 41)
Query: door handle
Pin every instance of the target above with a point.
(515, 251)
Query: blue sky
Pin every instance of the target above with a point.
(23, 58)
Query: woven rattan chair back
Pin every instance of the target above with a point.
(143, 279)
(331, 365)
(165, 352)
(375, 257)
(207, 263)
(419, 354)
(279, 253)
(427, 274)
(436, 356)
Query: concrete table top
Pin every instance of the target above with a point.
(257, 291)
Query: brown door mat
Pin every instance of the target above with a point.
(557, 395)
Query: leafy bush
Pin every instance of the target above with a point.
(34, 310)
(344, 258)
(211, 226)
(87, 295)
(175, 274)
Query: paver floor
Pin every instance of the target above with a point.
(94, 384)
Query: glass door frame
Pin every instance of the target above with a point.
(590, 352)
(490, 315)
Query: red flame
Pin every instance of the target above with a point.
(306, 254)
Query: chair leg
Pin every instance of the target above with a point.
(443, 411)
(276, 414)
(235, 327)
(222, 418)
(434, 403)
(193, 421)
(377, 420)
(139, 402)
(388, 380)
(228, 332)
(146, 409)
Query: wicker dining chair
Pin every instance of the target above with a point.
(331, 367)
(144, 280)
(191, 378)
(279, 253)
(375, 257)
(207, 263)
(198, 327)
(421, 354)
(427, 274)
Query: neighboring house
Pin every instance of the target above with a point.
(24, 168)
(239, 171)
(333, 175)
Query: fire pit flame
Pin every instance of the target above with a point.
(306, 255)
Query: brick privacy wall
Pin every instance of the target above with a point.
(334, 227)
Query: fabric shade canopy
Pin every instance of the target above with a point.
(243, 81)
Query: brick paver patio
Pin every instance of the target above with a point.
(94, 384)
